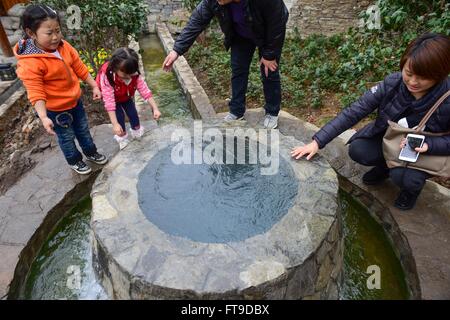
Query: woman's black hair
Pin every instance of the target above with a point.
(123, 59)
(34, 15)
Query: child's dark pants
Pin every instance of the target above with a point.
(69, 125)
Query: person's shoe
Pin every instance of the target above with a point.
(97, 158)
(375, 176)
(138, 133)
(231, 117)
(405, 200)
(81, 167)
(122, 141)
(270, 122)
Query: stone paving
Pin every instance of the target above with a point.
(24, 206)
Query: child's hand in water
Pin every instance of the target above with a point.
(96, 94)
(117, 128)
(156, 114)
(48, 125)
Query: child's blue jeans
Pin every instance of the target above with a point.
(128, 108)
(71, 124)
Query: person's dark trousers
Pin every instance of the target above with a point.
(369, 152)
(242, 51)
(128, 108)
(71, 124)
(408, 179)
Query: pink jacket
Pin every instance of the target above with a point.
(111, 94)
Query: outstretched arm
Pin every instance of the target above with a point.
(199, 20)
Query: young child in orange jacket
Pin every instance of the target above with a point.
(50, 69)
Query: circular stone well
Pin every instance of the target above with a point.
(264, 228)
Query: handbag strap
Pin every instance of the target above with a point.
(425, 119)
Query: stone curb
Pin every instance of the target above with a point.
(198, 100)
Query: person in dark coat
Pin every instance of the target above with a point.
(404, 97)
(246, 24)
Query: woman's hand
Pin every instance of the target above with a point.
(403, 143)
(96, 93)
(170, 59)
(271, 65)
(419, 150)
(48, 125)
(117, 128)
(310, 149)
(423, 149)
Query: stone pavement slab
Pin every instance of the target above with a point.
(25, 205)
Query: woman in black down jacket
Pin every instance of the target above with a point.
(403, 97)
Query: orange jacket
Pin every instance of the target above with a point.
(46, 77)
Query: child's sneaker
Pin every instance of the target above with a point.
(122, 141)
(97, 158)
(81, 167)
(138, 133)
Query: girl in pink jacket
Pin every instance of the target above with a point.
(118, 79)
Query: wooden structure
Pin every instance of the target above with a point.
(5, 5)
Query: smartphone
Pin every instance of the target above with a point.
(408, 153)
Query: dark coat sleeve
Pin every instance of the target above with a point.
(351, 115)
(199, 20)
(440, 145)
(275, 17)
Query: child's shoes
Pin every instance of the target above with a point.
(138, 133)
(122, 141)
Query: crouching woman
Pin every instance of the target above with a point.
(404, 97)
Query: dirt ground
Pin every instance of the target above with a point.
(24, 137)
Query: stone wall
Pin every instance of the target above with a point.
(163, 11)
(324, 16)
(11, 24)
(309, 16)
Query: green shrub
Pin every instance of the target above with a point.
(105, 25)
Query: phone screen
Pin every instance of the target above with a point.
(408, 153)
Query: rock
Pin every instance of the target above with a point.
(27, 128)
(16, 10)
(12, 23)
(44, 145)
(15, 156)
(11, 60)
(14, 39)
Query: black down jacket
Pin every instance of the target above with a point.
(266, 18)
(393, 101)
